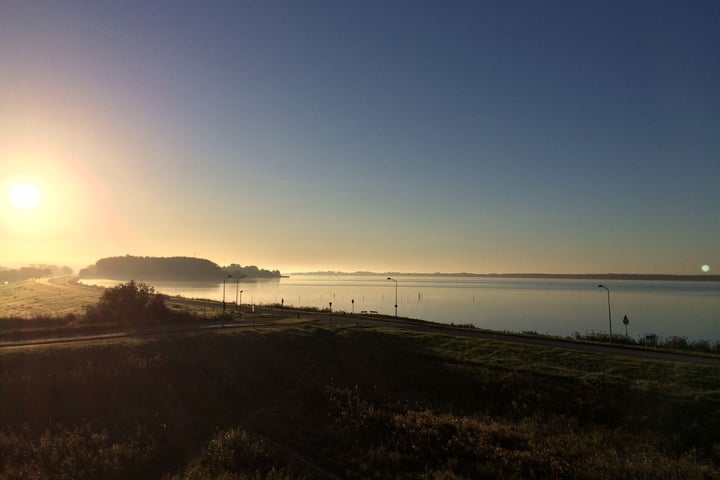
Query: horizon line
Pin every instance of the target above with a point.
(509, 274)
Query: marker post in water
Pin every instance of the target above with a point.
(609, 314)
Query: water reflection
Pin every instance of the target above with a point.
(552, 306)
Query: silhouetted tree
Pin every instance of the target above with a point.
(130, 303)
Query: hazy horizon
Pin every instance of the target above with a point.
(480, 137)
(704, 270)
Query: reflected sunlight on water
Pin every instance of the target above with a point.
(552, 306)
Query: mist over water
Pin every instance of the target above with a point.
(551, 306)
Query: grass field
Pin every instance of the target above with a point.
(60, 296)
(45, 297)
(356, 402)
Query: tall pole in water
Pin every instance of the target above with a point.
(237, 288)
(625, 322)
(609, 314)
(396, 285)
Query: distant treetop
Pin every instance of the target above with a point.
(32, 271)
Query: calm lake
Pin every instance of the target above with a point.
(551, 306)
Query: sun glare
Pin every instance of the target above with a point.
(24, 195)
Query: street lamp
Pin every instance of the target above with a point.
(609, 314)
(224, 282)
(390, 278)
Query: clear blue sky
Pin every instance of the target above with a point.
(392, 135)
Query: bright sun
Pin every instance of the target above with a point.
(24, 195)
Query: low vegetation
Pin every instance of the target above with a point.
(132, 303)
(672, 342)
(359, 403)
(53, 298)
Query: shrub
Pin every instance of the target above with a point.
(84, 451)
(129, 303)
(237, 454)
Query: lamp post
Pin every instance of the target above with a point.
(224, 282)
(609, 314)
(396, 285)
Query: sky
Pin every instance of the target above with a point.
(412, 136)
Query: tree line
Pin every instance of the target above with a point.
(130, 267)
(35, 271)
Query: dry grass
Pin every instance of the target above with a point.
(359, 403)
(46, 297)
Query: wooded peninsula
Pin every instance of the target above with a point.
(131, 267)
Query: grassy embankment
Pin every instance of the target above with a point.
(56, 307)
(59, 297)
(356, 402)
(46, 298)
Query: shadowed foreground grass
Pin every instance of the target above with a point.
(357, 403)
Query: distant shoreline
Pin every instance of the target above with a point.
(565, 276)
